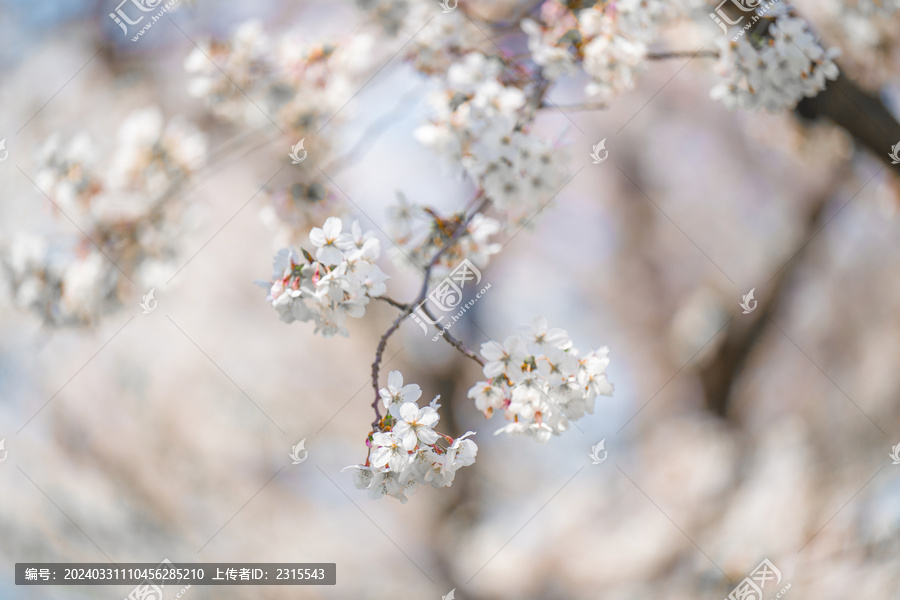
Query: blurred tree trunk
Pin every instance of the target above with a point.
(870, 123)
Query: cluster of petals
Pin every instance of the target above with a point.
(609, 41)
(335, 283)
(123, 199)
(407, 452)
(776, 70)
(420, 233)
(478, 126)
(539, 381)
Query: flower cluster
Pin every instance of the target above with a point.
(407, 452)
(608, 39)
(124, 203)
(478, 125)
(540, 381)
(431, 44)
(299, 85)
(865, 29)
(873, 8)
(775, 69)
(336, 283)
(419, 233)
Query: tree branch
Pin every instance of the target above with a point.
(409, 308)
(392, 302)
(720, 373)
(848, 106)
(456, 343)
(861, 114)
(682, 54)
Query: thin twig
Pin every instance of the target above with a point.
(405, 312)
(392, 302)
(582, 106)
(371, 134)
(456, 343)
(683, 54)
(379, 353)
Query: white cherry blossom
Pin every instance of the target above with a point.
(338, 283)
(775, 70)
(414, 424)
(397, 393)
(539, 381)
(405, 451)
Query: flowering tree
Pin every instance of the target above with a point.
(489, 80)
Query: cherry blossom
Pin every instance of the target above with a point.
(540, 381)
(777, 69)
(397, 393)
(125, 201)
(336, 284)
(405, 451)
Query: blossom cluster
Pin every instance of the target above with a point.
(478, 125)
(296, 83)
(420, 233)
(873, 8)
(406, 451)
(124, 203)
(608, 39)
(431, 44)
(336, 283)
(300, 85)
(540, 381)
(776, 69)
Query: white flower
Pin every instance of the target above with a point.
(556, 366)
(612, 56)
(489, 397)
(776, 72)
(405, 452)
(592, 374)
(336, 285)
(504, 360)
(555, 61)
(387, 483)
(124, 199)
(539, 338)
(396, 392)
(539, 382)
(388, 450)
(461, 452)
(419, 234)
(330, 240)
(414, 424)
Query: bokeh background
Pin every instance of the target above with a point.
(731, 438)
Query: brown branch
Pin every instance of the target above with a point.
(720, 373)
(392, 302)
(456, 343)
(683, 54)
(582, 106)
(410, 307)
(861, 114)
